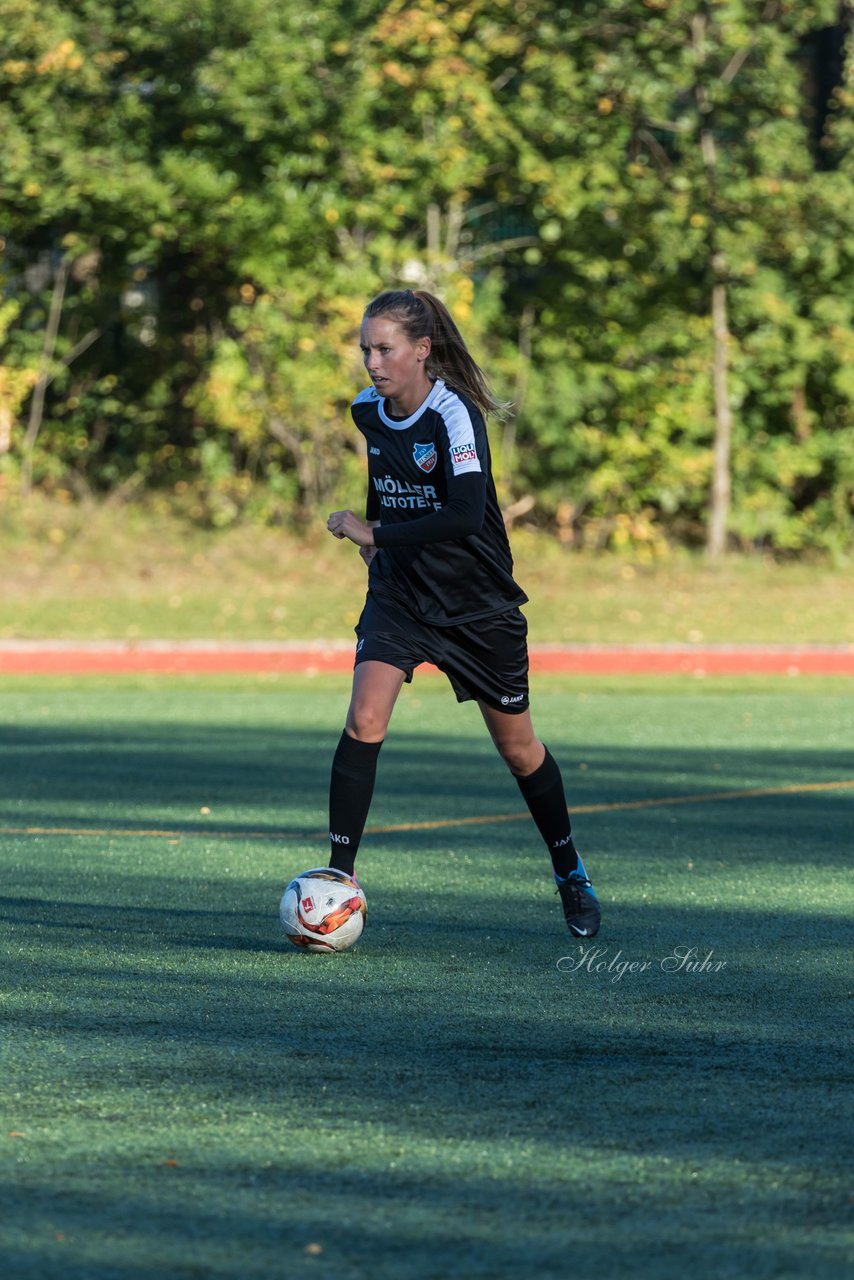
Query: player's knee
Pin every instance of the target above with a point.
(521, 758)
(366, 724)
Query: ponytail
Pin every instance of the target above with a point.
(422, 315)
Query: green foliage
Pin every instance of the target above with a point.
(225, 185)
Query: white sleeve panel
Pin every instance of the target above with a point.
(461, 441)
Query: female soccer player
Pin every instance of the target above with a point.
(440, 582)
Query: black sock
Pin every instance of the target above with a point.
(351, 788)
(545, 797)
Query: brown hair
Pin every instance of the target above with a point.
(423, 315)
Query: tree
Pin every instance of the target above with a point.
(693, 220)
(646, 237)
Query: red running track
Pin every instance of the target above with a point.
(34, 658)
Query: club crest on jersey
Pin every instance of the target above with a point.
(425, 456)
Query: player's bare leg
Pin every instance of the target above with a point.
(539, 778)
(376, 687)
(515, 740)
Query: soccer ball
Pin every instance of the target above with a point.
(323, 910)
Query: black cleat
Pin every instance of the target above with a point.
(580, 905)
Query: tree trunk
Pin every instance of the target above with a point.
(719, 498)
(44, 378)
(721, 484)
(5, 428)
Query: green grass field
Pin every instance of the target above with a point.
(105, 572)
(468, 1093)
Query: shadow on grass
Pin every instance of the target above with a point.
(436, 1100)
(159, 776)
(444, 1096)
(434, 1130)
(391, 1223)
(512, 1004)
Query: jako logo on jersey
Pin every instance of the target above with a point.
(505, 701)
(374, 449)
(425, 456)
(463, 453)
(336, 839)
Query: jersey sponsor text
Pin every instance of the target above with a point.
(403, 496)
(463, 453)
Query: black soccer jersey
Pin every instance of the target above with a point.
(443, 548)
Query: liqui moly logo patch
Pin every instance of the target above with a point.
(425, 456)
(463, 453)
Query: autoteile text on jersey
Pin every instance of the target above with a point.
(404, 496)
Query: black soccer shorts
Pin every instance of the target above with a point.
(485, 660)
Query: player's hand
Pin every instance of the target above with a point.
(344, 524)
